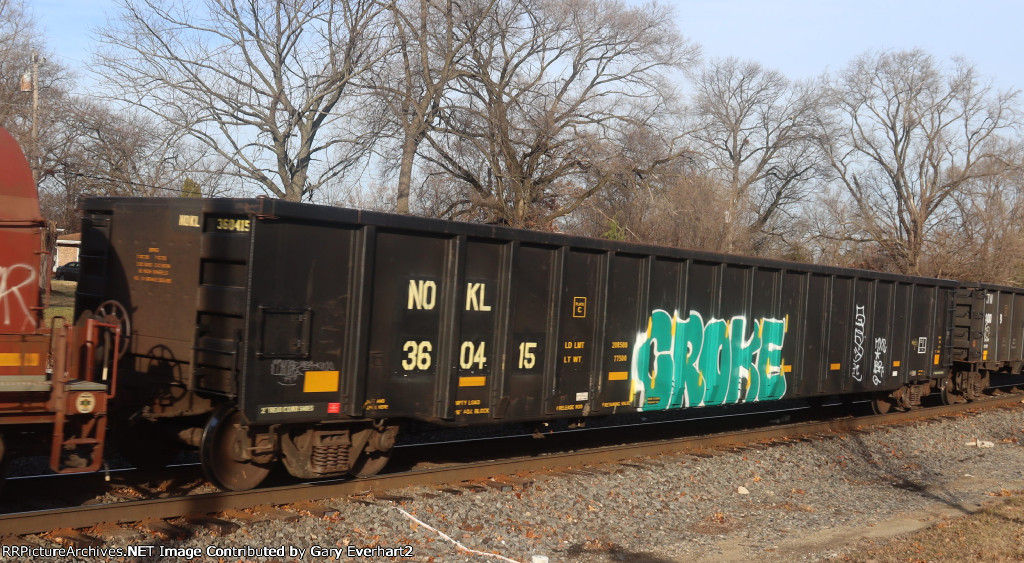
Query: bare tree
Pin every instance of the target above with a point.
(263, 83)
(18, 40)
(982, 237)
(80, 146)
(685, 210)
(660, 195)
(756, 133)
(20, 43)
(546, 88)
(429, 41)
(907, 138)
(93, 150)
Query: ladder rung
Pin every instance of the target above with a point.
(81, 442)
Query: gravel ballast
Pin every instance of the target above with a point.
(802, 500)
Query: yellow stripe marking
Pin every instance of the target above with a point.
(14, 359)
(786, 369)
(320, 382)
(896, 364)
(937, 358)
(618, 375)
(835, 366)
(475, 381)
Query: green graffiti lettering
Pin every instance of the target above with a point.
(743, 370)
(658, 378)
(691, 362)
(769, 360)
(715, 361)
(689, 340)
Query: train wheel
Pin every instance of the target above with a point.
(881, 403)
(378, 443)
(950, 396)
(369, 464)
(224, 451)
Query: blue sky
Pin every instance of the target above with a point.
(801, 38)
(804, 38)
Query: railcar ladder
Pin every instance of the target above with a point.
(80, 405)
(965, 331)
(220, 310)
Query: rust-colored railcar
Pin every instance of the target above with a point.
(55, 381)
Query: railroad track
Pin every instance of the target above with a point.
(36, 521)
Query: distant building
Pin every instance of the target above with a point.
(67, 249)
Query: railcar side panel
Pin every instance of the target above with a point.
(842, 324)
(923, 345)
(623, 319)
(531, 309)
(20, 262)
(657, 348)
(815, 368)
(793, 308)
(900, 348)
(703, 288)
(883, 339)
(299, 323)
(145, 257)
(1016, 353)
(411, 323)
(998, 327)
(939, 354)
(1003, 320)
(990, 326)
(481, 313)
(862, 338)
(582, 301)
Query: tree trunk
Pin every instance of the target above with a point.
(405, 175)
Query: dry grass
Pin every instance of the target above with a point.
(62, 301)
(995, 533)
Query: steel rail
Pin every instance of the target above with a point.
(21, 523)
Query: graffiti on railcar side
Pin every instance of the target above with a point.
(12, 281)
(878, 368)
(689, 362)
(859, 321)
(288, 372)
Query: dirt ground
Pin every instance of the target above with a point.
(991, 528)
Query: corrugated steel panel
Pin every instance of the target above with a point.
(315, 313)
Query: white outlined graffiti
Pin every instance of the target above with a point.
(689, 362)
(858, 342)
(878, 369)
(11, 297)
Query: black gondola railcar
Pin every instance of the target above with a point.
(270, 330)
